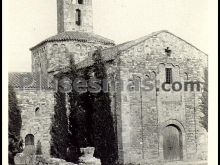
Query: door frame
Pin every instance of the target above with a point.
(178, 125)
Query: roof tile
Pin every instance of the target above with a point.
(77, 36)
(29, 80)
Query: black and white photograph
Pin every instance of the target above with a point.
(108, 82)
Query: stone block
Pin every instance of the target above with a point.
(87, 157)
(21, 159)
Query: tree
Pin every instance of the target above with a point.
(59, 129)
(204, 102)
(14, 113)
(15, 141)
(77, 119)
(104, 135)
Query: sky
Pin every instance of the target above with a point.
(31, 21)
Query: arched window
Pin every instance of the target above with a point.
(169, 77)
(78, 17)
(37, 111)
(80, 2)
(78, 47)
(55, 48)
(89, 48)
(63, 48)
(29, 139)
(96, 48)
(186, 76)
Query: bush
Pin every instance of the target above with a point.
(59, 128)
(15, 142)
(104, 135)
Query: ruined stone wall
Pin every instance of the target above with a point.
(37, 108)
(144, 115)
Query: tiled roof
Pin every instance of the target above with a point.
(77, 36)
(107, 55)
(28, 80)
(111, 53)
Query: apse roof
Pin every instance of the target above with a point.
(77, 36)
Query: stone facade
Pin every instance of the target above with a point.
(67, 15)
(37, 107)
(143, 117)
(55, 55)
(72, 39)
(48, 56)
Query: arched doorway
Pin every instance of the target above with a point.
(29, 139)
(172, 143)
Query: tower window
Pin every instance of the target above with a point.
(168, 75)
(80, 2)
(78, 17)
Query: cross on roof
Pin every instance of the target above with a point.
(168, 51)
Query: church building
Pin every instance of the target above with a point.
(152, 125)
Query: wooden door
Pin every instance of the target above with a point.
(172, 144)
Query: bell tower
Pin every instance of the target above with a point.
(74, 15)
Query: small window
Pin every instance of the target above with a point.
(80, 2)
(29, 140)
(78, 17)
(37, 111)
(168, 75)
(55, 48)
(186, 76)
(63, 48)
(78, 47)
(89, 48)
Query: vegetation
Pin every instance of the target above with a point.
(90, 120)
(204, 100)
(104, 135)
(59, 129)
(15, 141)
(77, 120)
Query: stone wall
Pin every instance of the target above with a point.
(39, 59)
(145, 114)
(56, 55)
(67, 16)
(37, 108)
(58, 52)
(140, 116)
(27, 158)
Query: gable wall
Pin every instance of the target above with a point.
(143, 115)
